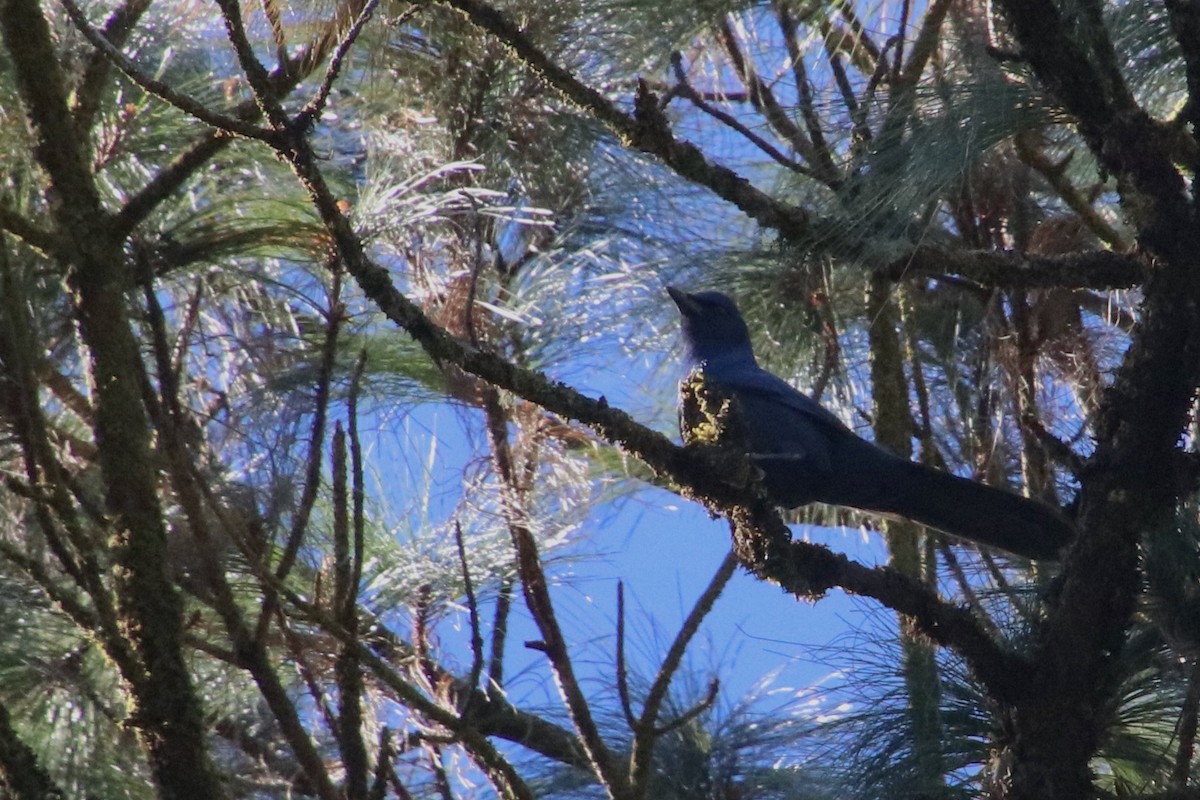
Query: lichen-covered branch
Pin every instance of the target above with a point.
(166, 709)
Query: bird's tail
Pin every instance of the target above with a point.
(984, 514)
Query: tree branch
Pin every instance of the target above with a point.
(249, 652)
(490, 717)
(645, 130)
(764, 101)
(821, 152)
(1122, 136)
(156, 87)
(762, 540)
(312, 466)
(684, 89)
(1138, 428)
(1055, 174)
(1096, 269)
(18, 225)
(349, 722)
(167, 710)
(91, 87)
(646, 729)
(538, 601)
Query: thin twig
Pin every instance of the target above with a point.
(274, 22)
(1055, 173)
(821, 152)
(298, 649)
(622, 667)
(710, 697)
(687, 631)
(312, 472)
(901, 32)
(858, 118)
(313, 108)
(861, 37)
(191, 488)
(441, 781)
(645, 130)
(831, 355)
(964, 584)
(761, 95)
(483, 752)
(349, 727)
(684, 89)
(158, 88)
(477, 661)
(646, 729)
(181, 168)
(383, 760)
(256, 74)
(357, 474)
(495, 682)
(924, 46)
(540, 605)
(118, 27)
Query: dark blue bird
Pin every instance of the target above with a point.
(808, 455)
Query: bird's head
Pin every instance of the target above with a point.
(713, 328)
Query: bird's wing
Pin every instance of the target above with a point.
(760, 386)
(783, 422)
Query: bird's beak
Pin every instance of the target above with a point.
(687, 304)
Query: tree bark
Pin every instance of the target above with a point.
(165, 710)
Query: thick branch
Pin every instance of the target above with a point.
(1096, 269)
(1122, 136)
(809, 570)
(167, 710)
(1140, 423)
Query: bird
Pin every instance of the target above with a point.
(808, 455)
